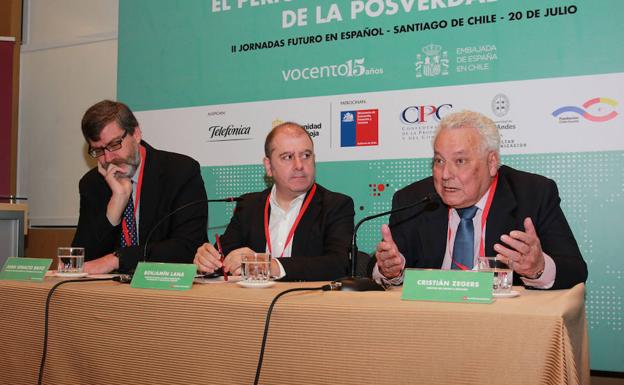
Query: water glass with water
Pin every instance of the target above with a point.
(503, 272)
(70, 260)
(256, 267)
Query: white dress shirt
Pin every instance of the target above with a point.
(280, 223)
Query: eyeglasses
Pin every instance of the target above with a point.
(115, 145)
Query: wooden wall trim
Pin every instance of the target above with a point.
(42, 242)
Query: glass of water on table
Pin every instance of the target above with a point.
(502, 269)
(70, 262)
(256, 270)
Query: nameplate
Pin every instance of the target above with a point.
(163, 276)
(448, 286)
(25, 269)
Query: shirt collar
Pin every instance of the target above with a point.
(293, 203)
(481, 203)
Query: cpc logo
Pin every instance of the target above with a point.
(424, 114)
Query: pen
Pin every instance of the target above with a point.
(225, 276)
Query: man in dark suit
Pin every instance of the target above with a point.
(133, 187)
(514, 214)
(306, 228)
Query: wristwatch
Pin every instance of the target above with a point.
(537, 275)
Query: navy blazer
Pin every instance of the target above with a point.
(421, 233)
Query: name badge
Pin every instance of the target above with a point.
(447, 286)
(163, 276)
(25, 269)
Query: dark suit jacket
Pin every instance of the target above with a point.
(421, 233)
(169, 181)
(320, 243)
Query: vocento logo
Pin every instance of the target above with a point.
(596, 104)
(350, 68)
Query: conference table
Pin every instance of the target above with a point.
(109, 333)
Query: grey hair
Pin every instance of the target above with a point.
(490, 137)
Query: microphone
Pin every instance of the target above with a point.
(355, 283)
(126, 278)
(12, 198)
(149, 235)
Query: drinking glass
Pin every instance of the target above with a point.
(70, 260)
(256, 267)
(503, 272)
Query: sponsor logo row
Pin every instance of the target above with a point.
(360, 127)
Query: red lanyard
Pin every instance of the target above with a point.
(486, 212)
(137, 196)
(303, 209)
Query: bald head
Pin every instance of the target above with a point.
(288, 128)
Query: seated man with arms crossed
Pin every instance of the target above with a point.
(503, 211)
(306, 228)
(133, 187)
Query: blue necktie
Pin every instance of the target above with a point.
(463, 249)
(128, 217)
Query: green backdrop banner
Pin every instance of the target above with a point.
(210, 79)
(180, 53)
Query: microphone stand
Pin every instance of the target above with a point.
(355, 283)
(149, 235)
(126, 278)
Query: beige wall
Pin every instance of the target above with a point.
(68, 62)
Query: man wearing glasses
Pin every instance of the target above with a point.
(133, 187)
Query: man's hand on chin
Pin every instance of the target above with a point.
(121, 189)
(102, 265)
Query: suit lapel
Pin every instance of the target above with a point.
(311, 217)
(501, 219)
(258, 238)
(149, 193)
(434, 235)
